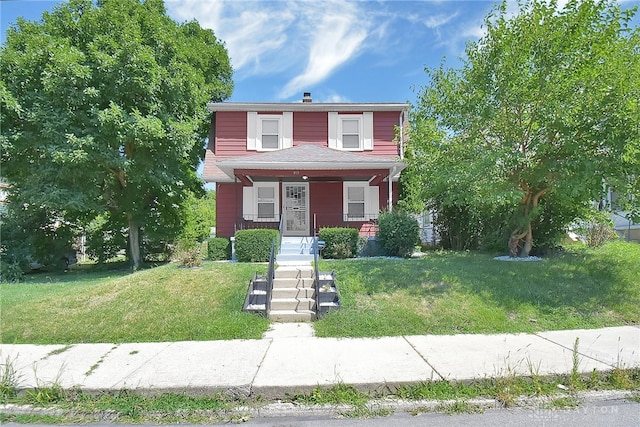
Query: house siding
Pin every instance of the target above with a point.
(383, 133)
(228, 208)
(310, 128)
(231, 129)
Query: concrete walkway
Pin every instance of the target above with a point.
(290, 359)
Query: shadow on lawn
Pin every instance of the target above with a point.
(587, 282)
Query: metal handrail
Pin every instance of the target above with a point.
(270, 277)
(316, 275)
(280, 229)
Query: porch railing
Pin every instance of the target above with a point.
(270, 277)
(321, 218)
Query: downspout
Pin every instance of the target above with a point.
(392, 172)
(402, 135)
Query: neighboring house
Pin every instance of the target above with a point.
(308, 164)
(624, 226)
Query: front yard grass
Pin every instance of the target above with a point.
(165, 303)
(442, 293)
(458, 292)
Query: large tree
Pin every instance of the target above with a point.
(104, 112)
(544, 109)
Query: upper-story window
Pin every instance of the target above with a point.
(352, 132)
(270, 133)
(266, 132)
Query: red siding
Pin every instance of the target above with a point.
(228, 208)
(231, 134)
(383, 133)
(310, 127)
(325, 201)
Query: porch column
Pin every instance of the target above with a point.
(390, 199)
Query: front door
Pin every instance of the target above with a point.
(296, 209)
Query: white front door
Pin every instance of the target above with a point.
(296, 209)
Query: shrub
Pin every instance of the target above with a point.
(597, 229)
(254, 245)
(218, 248)
(10, 271)
(188, 253)
(340, 242)
(398, 233)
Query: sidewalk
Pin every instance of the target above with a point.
(289, 359)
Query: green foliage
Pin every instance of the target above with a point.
(255, 245)
(200, 216)
(398, 233)
(218, 248)
(597, 229)
(188, 253)
(106, 237)
(8, 381)
(107, 100)
(43, 396)
(340, 242)
(34, 236)
(543, 111)
(10, 271)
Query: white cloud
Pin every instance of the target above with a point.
(335, 98)
(252, 31)
(435, 21)
(334, 33)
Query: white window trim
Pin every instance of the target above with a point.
(365, 125)
(254, 130)
(250, 202)
(371, 200)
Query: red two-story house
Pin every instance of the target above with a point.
(311, 165)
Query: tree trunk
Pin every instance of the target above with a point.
(521, 242)
(134, 242)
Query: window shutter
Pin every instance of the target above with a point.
(252, 128)
(367, 130)
(333, 130)
(287, 129)
(373, 203)
(247, 203)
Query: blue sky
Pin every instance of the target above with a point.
(340, 51)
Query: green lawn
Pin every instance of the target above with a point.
(449, 293)
(442, 293)
(166, 303)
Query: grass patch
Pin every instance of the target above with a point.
(166, 303)
(565, 402)
(457, 292)
(442, 293)
(340, 394)
(77, 407)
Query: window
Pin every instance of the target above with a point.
(261, 203)
(266, 203)
(351, 132)
(361, 202)
(355, 203)
(266, 132)
(270, 134)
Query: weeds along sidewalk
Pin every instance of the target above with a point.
(279, 367)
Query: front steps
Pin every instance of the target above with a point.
(293, 297)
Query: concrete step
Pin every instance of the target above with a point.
(291, 316)
(297, 258)
(294, 272)
(296, 240)
(279, 293)
(296, 304)
(306, 282)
